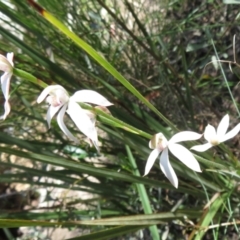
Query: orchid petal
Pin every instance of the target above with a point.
(7, 109)
(151, 144)
(62, 124)
(82, 121)
(90, 96)
(5, 81)
(5, 65)
(185, 136)
(48, 90)
(210, 133)
(10, 58)
(44, 93)
(167, 169)
(231, 133)
(185, 156)
(51, 113)
(91, 116)
(150, 161)
(95, 144)
(223, 126)
(202, 147)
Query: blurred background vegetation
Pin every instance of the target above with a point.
(53, 189)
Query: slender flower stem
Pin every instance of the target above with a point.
(29, 77)
(146, 203)
(115, 122)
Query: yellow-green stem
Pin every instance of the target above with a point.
(29, 77)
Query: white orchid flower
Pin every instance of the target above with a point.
(6, 65)
(216, 137)
(59, 100)
(160, 144)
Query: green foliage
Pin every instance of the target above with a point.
(147, 57)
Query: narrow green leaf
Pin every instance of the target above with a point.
(108, 233)
(94, 171)
(209, 216)
(12, 223)
(95, 55)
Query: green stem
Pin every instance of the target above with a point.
(142, 194)
(29, 77)
(110, 120)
